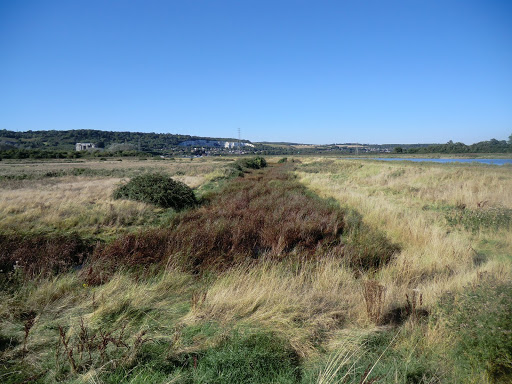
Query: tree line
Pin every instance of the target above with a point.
(489, 146)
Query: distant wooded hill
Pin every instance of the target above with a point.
(22, 144)
(66, 140)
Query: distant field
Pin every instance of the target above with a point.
(11, 169)
(312, 270)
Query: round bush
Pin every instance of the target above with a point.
(255, 162)
(251, 163)
(157, 189)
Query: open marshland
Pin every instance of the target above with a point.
(75, 196)
(310, 270)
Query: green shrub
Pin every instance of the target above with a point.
(251, 163)
(481, 322)
(157, 189)
(283, 160)
(256, 163)
(477, 219)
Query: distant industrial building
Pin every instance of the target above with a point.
(215, 143)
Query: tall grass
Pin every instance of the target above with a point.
(433, 257)
(437, 255)
(281, 299)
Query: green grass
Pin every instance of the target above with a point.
(384, 357)
(480, 323)
(488, 219)
(256, 358)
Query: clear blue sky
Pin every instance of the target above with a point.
(301, 71)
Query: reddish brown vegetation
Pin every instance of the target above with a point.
(265, 213)
(134, 250)
(42, 255)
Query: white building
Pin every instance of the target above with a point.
(84, 146)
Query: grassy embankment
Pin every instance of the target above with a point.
(266, 282)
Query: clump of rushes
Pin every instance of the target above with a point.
(158, 189)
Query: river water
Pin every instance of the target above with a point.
(453, 160)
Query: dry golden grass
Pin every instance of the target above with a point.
(85, 202)
(187, 166)
(392, 196)
(71, 203)
(320, 297)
